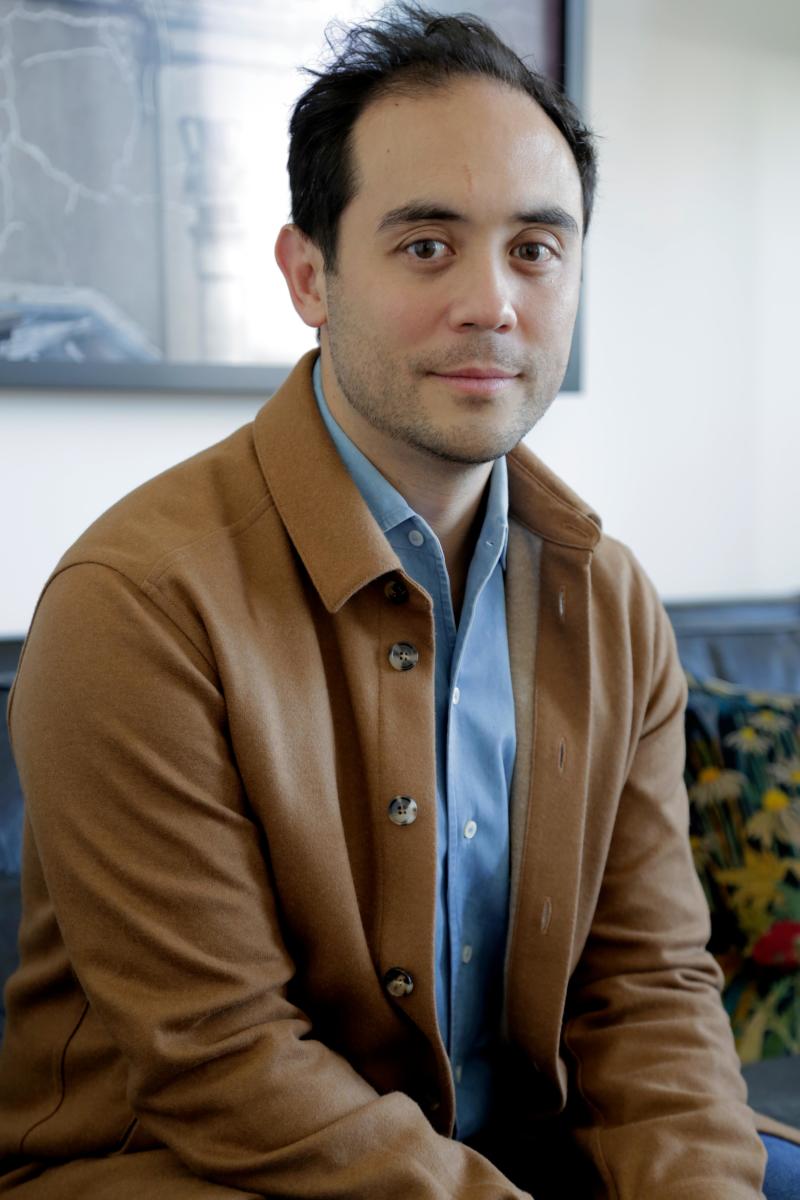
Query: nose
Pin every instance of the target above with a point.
(484, 298)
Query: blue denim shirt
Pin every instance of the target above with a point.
(475, 749)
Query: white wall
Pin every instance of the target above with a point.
(687, 436)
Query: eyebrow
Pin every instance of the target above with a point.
(410, 214)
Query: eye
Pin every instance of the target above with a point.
(426, 249)
(534, 252)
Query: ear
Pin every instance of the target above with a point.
(302, 266)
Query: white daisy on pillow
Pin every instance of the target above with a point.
(716, 783)
(786, 772)
(770, 722)
(747, 740)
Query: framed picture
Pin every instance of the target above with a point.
(143, 182)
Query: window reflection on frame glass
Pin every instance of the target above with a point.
(143, 150)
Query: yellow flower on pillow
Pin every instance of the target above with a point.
(752, 890)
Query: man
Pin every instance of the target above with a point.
(357, 859)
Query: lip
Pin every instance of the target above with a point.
(476, 373)
(477, 380)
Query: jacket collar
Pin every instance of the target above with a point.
(542, 502)
(329, 523)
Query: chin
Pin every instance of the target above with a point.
(467, 450)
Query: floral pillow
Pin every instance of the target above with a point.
(743, 776)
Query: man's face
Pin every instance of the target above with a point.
(450, 313)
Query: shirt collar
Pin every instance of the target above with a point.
(387, 506)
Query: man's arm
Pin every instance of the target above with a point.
(161, 886)
(663, 1102)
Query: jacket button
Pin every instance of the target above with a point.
(403, 656)
(398, 982)
(403, 810)
(396, 591)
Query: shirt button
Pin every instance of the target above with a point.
(466, 954)
(403, 656)
(396, 591)
(415, 537)
(456, 695)
(398, 982)
(470, 829)
(459, 1071)
(403, 810)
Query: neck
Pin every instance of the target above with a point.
(450, 496)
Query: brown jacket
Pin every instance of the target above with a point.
(209, 732)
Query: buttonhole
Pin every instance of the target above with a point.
(562, 754)
(547, 912)
(562, 603)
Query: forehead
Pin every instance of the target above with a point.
(475, 142)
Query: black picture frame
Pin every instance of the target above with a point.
(565, 21)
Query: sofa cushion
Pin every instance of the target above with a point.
(754, 643)
(10, 839)
(773, 1088)
(743, 776)
(10, 793)
(9, 927)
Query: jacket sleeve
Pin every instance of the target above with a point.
(661, 1098)
(160, 882)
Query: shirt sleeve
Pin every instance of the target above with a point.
(159, 876)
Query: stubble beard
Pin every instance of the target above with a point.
(377, 390)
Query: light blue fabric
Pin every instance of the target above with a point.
(475, 749)
(782, 1179)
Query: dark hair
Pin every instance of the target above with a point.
(406, 49)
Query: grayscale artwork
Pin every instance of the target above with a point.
(142, 183)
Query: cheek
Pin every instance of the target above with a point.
(403, 318)
(549, 313)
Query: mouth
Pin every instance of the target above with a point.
(477, 380)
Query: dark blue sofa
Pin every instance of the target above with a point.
(753, 643)
(10, 830)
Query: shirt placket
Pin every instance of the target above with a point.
(462, 828)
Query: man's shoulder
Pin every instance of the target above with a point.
(206, 498)
(546, 505)
(190, 512)
(551, 510)
(615, 565)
